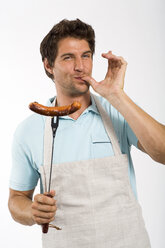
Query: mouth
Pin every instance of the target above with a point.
(80, 79)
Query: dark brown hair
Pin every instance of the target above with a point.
(65, 28)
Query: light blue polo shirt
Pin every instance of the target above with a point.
(81, 139)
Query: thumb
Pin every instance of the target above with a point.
(50, 194)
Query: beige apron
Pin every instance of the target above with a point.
(96, 205)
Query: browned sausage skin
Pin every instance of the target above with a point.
(54, 111)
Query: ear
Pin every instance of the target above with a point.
(47, 67)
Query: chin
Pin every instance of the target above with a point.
(80, 92)
(84, 89)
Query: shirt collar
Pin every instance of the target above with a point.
(91, 108)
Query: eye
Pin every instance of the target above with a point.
(87, 55)
(67, 57)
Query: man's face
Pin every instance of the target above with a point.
(74, 60)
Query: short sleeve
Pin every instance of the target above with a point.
(132, 139)
(23, 175)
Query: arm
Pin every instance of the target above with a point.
(150, 133)
(27, 212)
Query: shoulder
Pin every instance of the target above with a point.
(32, 126)
(29, 128)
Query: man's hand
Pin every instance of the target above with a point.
(113, 83)
(43, 208)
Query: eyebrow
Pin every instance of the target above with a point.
(71, 54)
(88, 52)
(65, 54)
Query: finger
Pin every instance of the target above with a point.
(43, 215)
(41, 221)
(110, 56)
(122, 60)
(50, 194)
(105, 55)
(114, 63)
(91, 81)
(43, 199)
(43, 207)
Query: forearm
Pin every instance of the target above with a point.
(20, 209)
(150, 133)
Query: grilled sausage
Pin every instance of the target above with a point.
(54, 111)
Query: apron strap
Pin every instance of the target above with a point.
(108, 126)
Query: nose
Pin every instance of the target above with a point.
(78, 64)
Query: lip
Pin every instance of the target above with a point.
(79, 79)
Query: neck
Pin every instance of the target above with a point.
(84, 99)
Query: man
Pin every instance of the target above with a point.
(93, 177)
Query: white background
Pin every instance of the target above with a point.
(132, 29)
